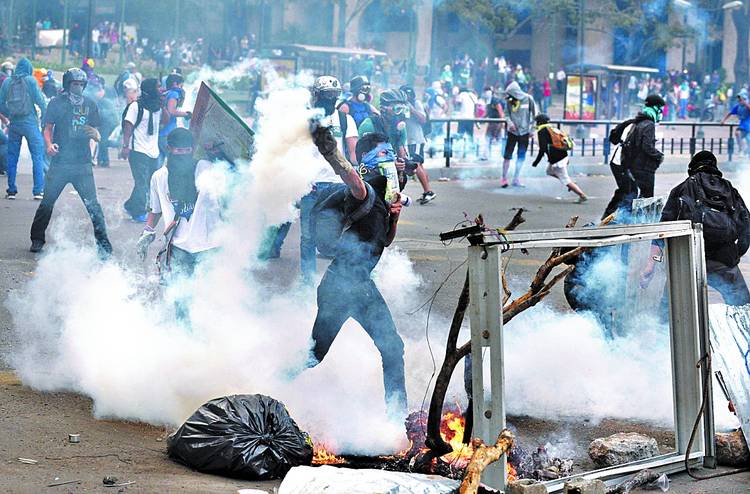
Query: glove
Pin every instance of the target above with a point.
(534, 164)
(92, 133)
(189, 115)
(148, 236)
(324, 140)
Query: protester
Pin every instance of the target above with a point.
(466, 103)
(3, 151)
(130, 73)
(347, 289)
(358, 106)
(415, 139)
(50, 86)
(555, 144)
(20, 97)
(394, 111)
(173, 99)
(191, 214)
(521, 111)
(140, 144)
(706, 197)
(493, 133)
(108, 119)
(70, 124)
(639, 158)
(742, 111)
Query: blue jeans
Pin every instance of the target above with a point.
(3, 152)
(35, 141)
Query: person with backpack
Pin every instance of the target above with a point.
(416, 123)
(70, 124)
(520, 111)
(555, 143)
(347, 288)
(394, 111)
(358, 106)
(20, 97)
(706, 197)
(635, 159)
(141, 121)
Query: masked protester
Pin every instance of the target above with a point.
(20, 97)
(141, 122)
(325, 93)
(635, 161)
(347, 289)
(394, 112)
(358, 106)
(173, 100)
(706, 197)
(70, 124)
(521, 111)
(191, 215)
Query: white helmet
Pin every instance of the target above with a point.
(328, 85)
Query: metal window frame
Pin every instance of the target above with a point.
(688, 323)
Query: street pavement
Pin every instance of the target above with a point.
(39, 422)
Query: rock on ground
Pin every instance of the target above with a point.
(620, 448)
(731, 449)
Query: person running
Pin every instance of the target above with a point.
(173, 99)
(347, 289)
(555, 144)
(521, 111)
(394, 111)
(70, 124)
(140, 144)
(19, 95)
(742, 111)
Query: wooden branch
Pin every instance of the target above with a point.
(484, 456)
(516, 221)
(506, 292)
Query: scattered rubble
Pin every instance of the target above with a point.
(525, 486)
(643, 478)
(584, 486)
(731, 449)
(623, 447)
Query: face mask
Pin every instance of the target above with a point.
(327, 104)
(361, 97)
(76, 89)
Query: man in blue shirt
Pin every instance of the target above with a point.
(742, 110)
(19, 95)
(173, 99)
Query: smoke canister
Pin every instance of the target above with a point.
(405, 200)
(74, 438)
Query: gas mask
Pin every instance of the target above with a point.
(399, 115)
(364, 94)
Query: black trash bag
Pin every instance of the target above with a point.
(244, 436)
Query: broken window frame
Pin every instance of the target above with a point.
(688, 326)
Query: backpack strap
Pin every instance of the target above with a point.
(364, 208)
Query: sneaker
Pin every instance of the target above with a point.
(141, 218)
(504, 183)
(10, 196)
(517, 183)
(36, 246)
(427, 197)
(582, 199)
(38, 197)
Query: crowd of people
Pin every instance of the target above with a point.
(365, 146)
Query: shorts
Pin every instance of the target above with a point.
(466, 128)
(510, 145)
(493, 130)
(559, 170)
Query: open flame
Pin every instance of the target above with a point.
(511, 473)
(321, 456)
(452, 428)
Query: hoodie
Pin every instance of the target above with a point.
(521, 113)
(646, 156)
(24, 70)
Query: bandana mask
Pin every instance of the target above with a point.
(382, 161)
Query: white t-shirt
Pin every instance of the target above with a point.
(325, 172)
(142, 141)
(468, 102)
(198, 233)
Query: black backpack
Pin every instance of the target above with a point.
(629, 147)
(719, 215)
(18, 99)
(329, 218)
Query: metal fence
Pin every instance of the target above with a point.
(715, 137)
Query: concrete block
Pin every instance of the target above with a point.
(584, 486)
(525, 486)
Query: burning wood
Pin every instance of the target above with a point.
(483, 456)
(321, 456)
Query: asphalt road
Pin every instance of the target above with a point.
(36, 424)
